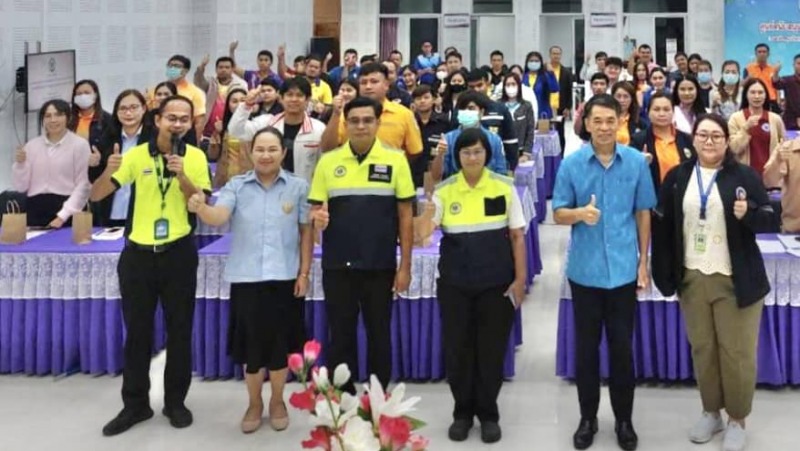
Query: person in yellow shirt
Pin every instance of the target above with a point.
(178, 67)
(560, 101)
(398, 128)
(321, 93)
(159, 261)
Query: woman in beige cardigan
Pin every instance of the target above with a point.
(755, 131)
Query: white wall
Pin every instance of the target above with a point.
(495, 33)
(125, 43)
(558, 30)
(360, 26)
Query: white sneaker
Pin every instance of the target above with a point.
(705, 428)
(735, 437)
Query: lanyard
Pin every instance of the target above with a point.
(161, 187)
(704, 194)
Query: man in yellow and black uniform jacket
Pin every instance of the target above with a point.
(159, 262)
(362, 195)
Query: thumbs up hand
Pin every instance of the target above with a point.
(114, 160)
(20, 157)
(740, 205)
(321, 217)
(441, 148)
(648, 157)
(94, 157)
(591, 214)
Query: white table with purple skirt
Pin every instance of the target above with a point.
(661, 351)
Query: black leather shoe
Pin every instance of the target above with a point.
(490, 432)
(584, 436)
(626, 436)
(126, 419)
(179, 416)
(459, 430)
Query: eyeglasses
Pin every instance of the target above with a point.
(716, 138)
(175, 65)
(179, 119)
(355, 121)
(129, 109)
(472, 153)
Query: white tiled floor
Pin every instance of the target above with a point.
(539, 411)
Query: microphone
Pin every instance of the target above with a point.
(176, 150)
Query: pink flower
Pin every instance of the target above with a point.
(304, 400)
(296, 363)
(311, 351)
(394, 432)
(320, 438)
(418, 443)
(365, 403)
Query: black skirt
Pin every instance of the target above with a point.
(265, 324)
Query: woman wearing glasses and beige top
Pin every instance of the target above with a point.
(710, 209)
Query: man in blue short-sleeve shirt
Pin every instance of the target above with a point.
(605, 191)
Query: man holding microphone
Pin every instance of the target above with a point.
(159, 262)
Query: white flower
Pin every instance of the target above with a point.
(341, 375)
(394, 407)
(325, 414)
(330, 413)
(321, 379)
(357, 436)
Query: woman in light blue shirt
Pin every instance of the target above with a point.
(268, 267)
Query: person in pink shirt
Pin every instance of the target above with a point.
(52, 169)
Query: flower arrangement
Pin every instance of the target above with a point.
(377, 421)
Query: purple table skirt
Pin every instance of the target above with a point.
(662, 352)
(541, 204)
(48, 336)
(417, 352)
(551, 165)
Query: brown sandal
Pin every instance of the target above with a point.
(279, 423)
(251, 425)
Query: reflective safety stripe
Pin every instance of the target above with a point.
(511, 141)
(469, 228)
(492, 117)
(388, 192)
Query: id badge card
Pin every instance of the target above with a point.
(161, 229)
(700, 242)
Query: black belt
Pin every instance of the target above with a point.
(155, 248)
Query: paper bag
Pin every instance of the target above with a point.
(15, 224)
(82, 227)
(543, 126)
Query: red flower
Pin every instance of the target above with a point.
(394, 432)
(296, 363)
(320, 438)
(311, 351)
(304, 400)
(365, 403)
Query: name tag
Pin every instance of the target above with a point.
(380, 173)
(494, 129)
(494, 206)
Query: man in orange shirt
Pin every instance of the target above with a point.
(763, 71)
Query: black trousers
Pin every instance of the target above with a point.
(348, 292)
(42, 209)
(475, 326)
(561, 137)
(144, 279)
(614, 309)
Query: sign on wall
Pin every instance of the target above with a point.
(773, 22)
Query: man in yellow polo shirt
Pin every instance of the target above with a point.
(159, 262)
(321, 93)
(361, 195)
(398, 128)
(178, 67)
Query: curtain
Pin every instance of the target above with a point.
(388, 40)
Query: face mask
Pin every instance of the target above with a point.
(441, 75)
(704, 77)
(174, 73)
(468, 118)
(730, 79)
(84, 101)
(457, 89)
(512, 92)
(534, 66)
